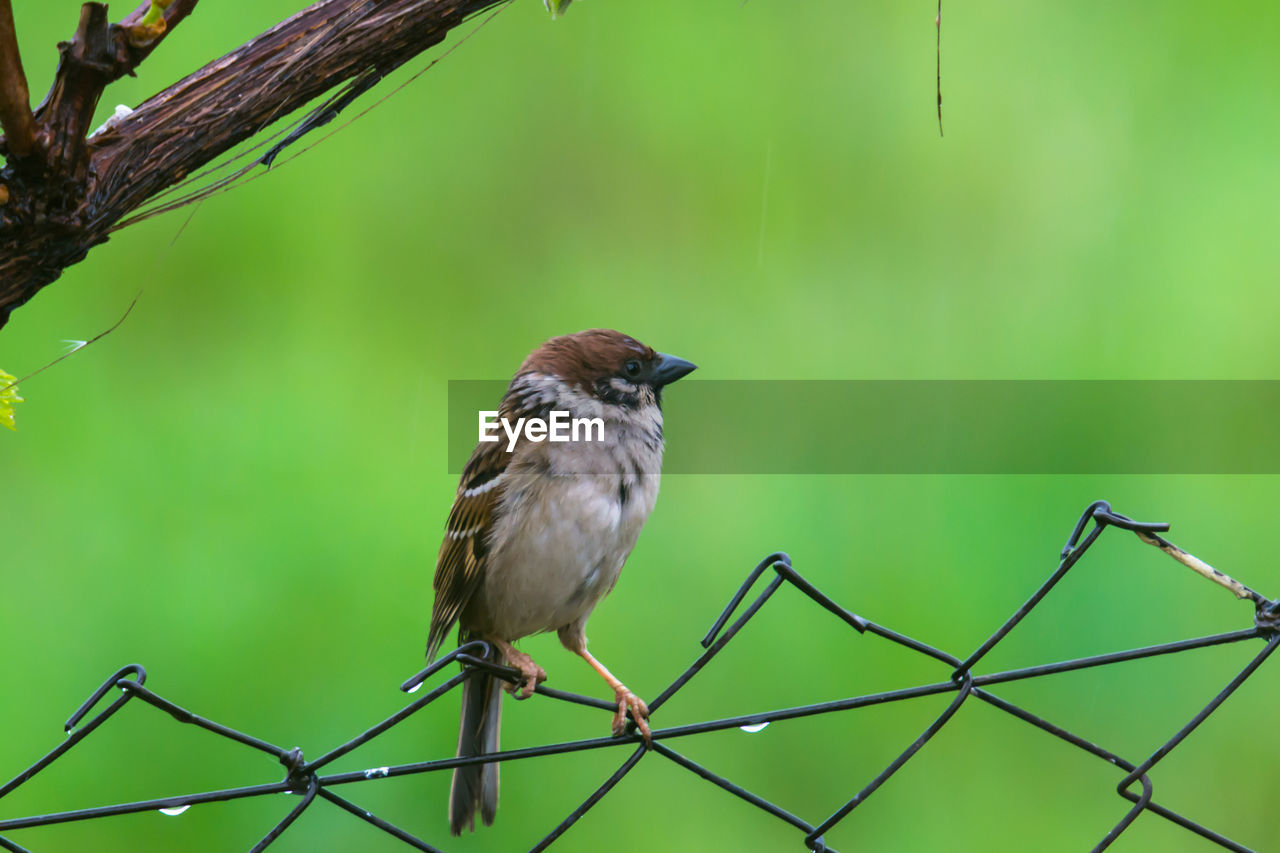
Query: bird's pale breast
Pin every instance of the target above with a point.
(562, 533)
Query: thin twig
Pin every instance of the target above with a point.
(92, 340)
(158, 260)
(937, 22)
(1202, 568)
(15, 100)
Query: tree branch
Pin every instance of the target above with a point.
(98, 54)
(15, 101)
(92, 183)
(143, 40)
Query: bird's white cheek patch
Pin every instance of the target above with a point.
(623, 386)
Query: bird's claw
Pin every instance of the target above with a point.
(533, 675)
(630, 702)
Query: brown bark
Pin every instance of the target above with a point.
(15, 101)
(66, 198)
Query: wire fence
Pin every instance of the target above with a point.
(307, 779)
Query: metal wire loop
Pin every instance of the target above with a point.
(121, 674)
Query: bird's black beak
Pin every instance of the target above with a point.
(670, 368)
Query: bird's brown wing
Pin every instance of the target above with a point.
(460, 568)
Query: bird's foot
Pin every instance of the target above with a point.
(630, 702)
(533, 675)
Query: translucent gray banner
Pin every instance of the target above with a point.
(944, 427)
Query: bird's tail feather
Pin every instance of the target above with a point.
(476, 785)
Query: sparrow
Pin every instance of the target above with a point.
(538, 534)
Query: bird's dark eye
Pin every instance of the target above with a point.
(632, 369)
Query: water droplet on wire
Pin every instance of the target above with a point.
(755, 727)
(175, 811)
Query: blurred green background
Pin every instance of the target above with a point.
(244, 486)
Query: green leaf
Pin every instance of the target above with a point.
(8, 396)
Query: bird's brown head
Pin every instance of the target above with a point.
(612, 367)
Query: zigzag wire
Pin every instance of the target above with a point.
(302, 776)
